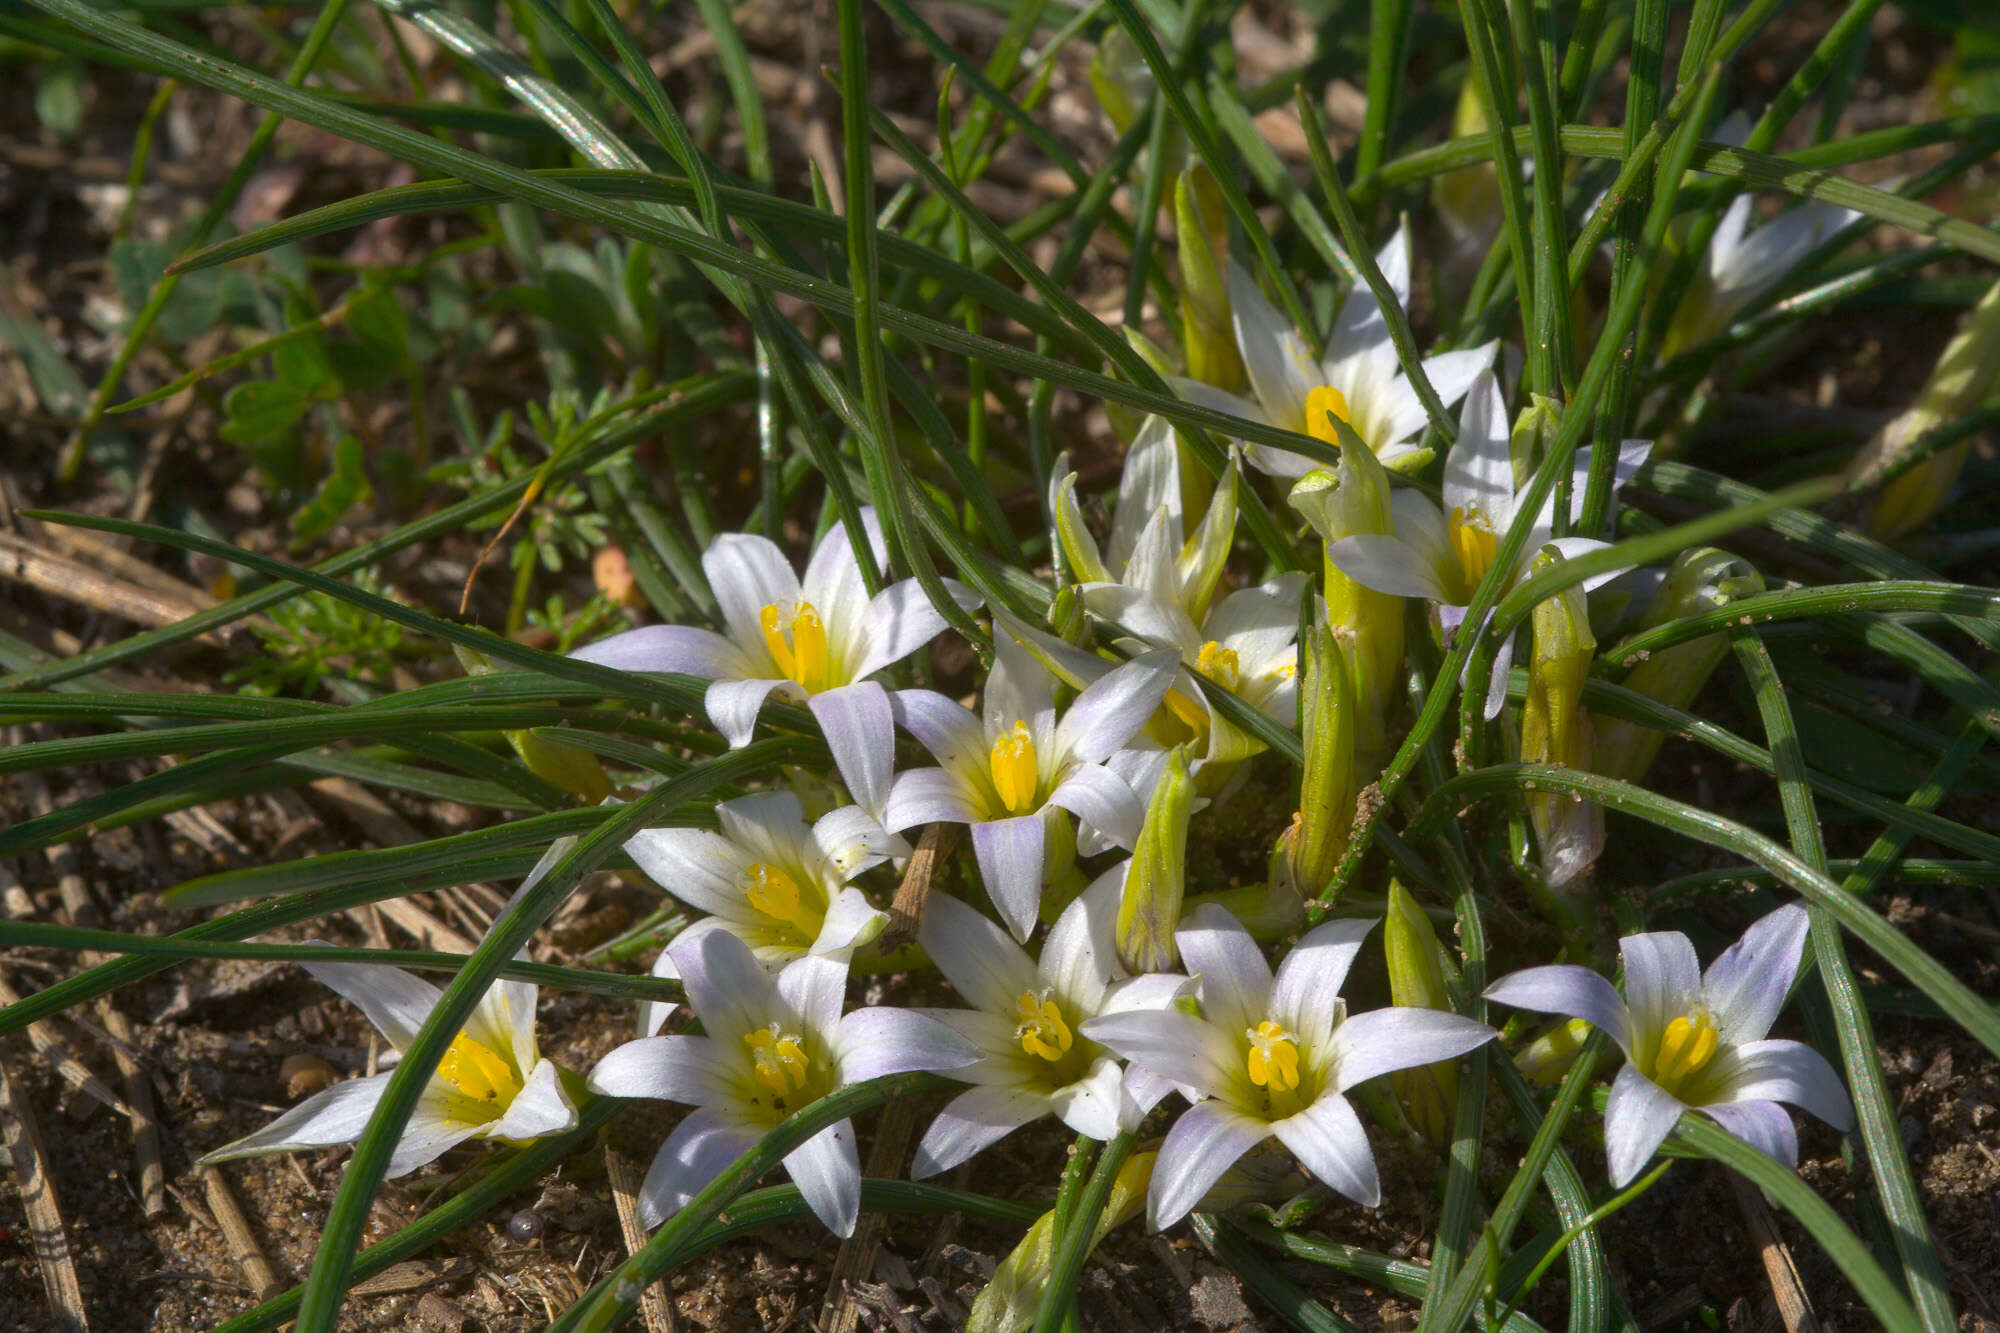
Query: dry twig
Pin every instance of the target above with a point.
(243, 1248)
(653, 1302)
(1790, 1293)
(38, 1200)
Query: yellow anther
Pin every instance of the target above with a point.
(1012, 763)
(772, 891)
(1041, 1030)
(1475, 544)
(1273, 1058)
(1188, 712)
(1219, 664)
(797, 643)
(1321, 403)
(1686, 1047)
(780, 1063)
(479, 1071)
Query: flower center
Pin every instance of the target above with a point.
(479, 1072)
(1686, 1048)
(1012, 763)
(1041, 1030)
(797, 643)
(772, 891)
(1475, 544)
(1220, 665)
(1273, 1057)
(1321, 403)
(779, 1062)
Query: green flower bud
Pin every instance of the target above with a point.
(1429, 1093)
(1545, 1060)
(1013, 1297)
(1068, 618)
(1354, 501)
(1963, 378)
(1326, 794)
(1556, 730)
(1208, 336)
(577, 772)
(1156, 880)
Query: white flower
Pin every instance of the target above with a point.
(774, 1045)
(768, 878)
(1272, 1056)
(1358, 380)
(1011, 775)
(1743, 263)
(818, 639)
(491, 1084)
(1024, 1019)
(1695, 1040)
(1441, 554)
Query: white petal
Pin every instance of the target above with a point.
(945, 727)
(1401, 1037)
(1153, 568)
(1496, 683)
(1149, 480)
(1162, 624)
(1258, 622)
(691, 1070)
(396, 1002)
(931, 796)
(1080, 953)
(851, 921)
(429, 1135)
(1183, 1050)
(1091, 1104)
(860, 730)
(504, 1019)
(725, 986)
(901, 620)
(850, 840)
(1393, 259)
(981, 961)
(974, 1120)
(1388, 565)
(1727, 239)
(1746, 986)
(700, 868)
(1280, 367)
(1019, 689)
(1101, 799)
(1329, 1142)
(1205, 1142)
(827, 1170)
(337, 1115)
(815, 988)
(1662, 982)
(1107, 715)
(1311, 975)
(682, 648)
(1576, 992)
(1775, 1070)
(1765, 1126)
(1479, 471)
(769, 825)
(1638, 1115)
(1215, 400)
(1087, 563)
(882, 1040)
(541, 1107)
(834, 586)
(733, 706)
(702, 1147)
(1235, 979)
(748, 573)
(1010, 854)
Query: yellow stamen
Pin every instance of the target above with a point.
(1323, 402)
(1041, 1030)
(1012, 763)
(780, 1062)
(1273, 1058)
(797, 643)
(1686, 1047)
(1475, 544)
(772, 891)
(1219, 664)
(478, 1071)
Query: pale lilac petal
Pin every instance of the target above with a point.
(981, 961)
(1019, 689)
(860, 730)
(851, 921)
(882, 1040)
(681, 648)
(1080, 953)
(725, 985)
(733, 706)
(1092, 1104)
(947, 728)
(1205, 1142)
(693, 1071)
(931, 796)
(541, 1107)
(1163, 624)
(1765, 1126)
(1775, 1070)
(1279, 365)
(1258, 622)
(815, 988)
(1638, 1116)
(1575, 992)
(1387, 565)
(834, 586)
(748, 573)
(335, 1116)
(850, 840)
(1329, 1142)
(1149, 480)
(700, 868)
(1235, 979)
(1010, 854)
(1452, 373)
(768, 825)
(702, 1147)
(1108, 714)
(1727, 238)
(1746, 986)
(1184, 1050)
(1215, 400)
(1141, 770)
(1662, 981)
(1393, 260)
(431, 1132)
(1496, 684)
(1401, 1036)
(1310, 977)
(1479, 471)
(973, 1121)
(827, 1170)
(1101, 799)
(901, 620)
(396, 1002)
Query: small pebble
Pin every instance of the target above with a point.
(527, 1225)
(439, 1314)
(304, 1074)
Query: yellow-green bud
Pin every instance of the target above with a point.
(1429, 1093)
(577, 772)
(1548, 1057)
(1556, 730)
(1067, 616)
(1156, 880)
(1327, 790)
(1349, 502)
(1013, 1296)
(1534, 430)
(1208, 336)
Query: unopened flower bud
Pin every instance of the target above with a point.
(1067, 616)
(1013, 1296)
(1326, 793)
(1699, 580)
(1545, 1060)
(1429, 1093)
(1207, 335)
(1156, 879)
(1349, 502)
(577, 772)
(1556, 730)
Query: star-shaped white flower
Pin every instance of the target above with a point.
(818, 639)
(1695, 1040)
(1024, 1019)
(1442, 553)
(491, 1084)
(1272, 1056)
(768, 878)
(774, 1045)
(1358, 380)
(1009, 774)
